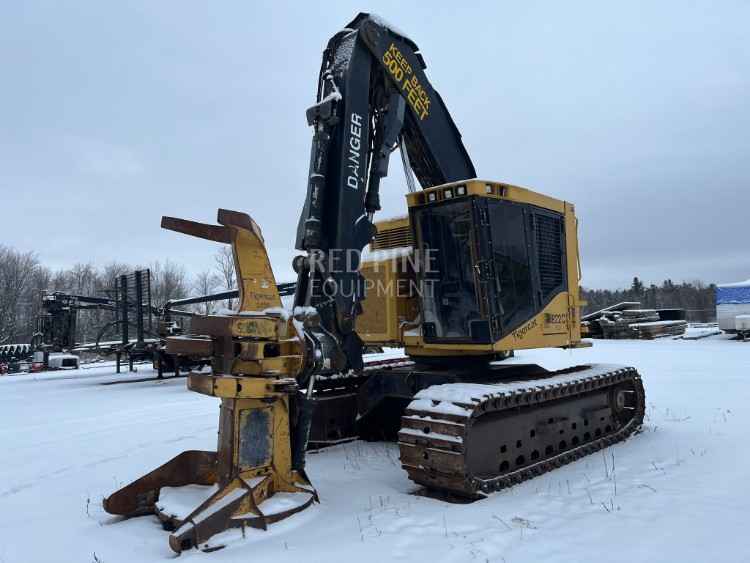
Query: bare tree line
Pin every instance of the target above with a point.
(23, 279)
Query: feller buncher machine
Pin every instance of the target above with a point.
(477, 270)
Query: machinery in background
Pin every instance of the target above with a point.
(57, 323)
(57, 361)
(14, 352)
(13, 358)
(137, 330)
(130, 313)
(144, 328)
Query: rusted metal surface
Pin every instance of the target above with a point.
(510, 436)
(205, 522)
(334, 418)
(189, 346)
(255, 359)
(206, 231)
(192, 467)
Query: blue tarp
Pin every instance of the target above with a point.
(733, 293)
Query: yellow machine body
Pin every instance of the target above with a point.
(392, 309)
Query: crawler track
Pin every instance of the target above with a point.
(472, 439)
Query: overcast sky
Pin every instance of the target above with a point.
(113, 114)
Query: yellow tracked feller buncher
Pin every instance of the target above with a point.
(477, 270)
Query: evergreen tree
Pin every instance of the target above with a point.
(636, 288)
(695, 297)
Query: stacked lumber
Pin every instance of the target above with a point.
(629, 320)
(619, 324)
(658, 329)
(592, 324)
(616, 307)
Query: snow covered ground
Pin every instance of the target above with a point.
(679, 491)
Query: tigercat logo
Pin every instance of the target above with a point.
(520, 333)
(253, 327)
(270, 298)
(247, 328)
(555, 318)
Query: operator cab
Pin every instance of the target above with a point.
(488, 264)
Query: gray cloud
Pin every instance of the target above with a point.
(114, 115)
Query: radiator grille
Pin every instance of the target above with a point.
(392, 238)
(549, 245)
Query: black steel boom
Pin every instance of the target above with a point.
(373, 96)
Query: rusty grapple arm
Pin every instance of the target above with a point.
(257, 355)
